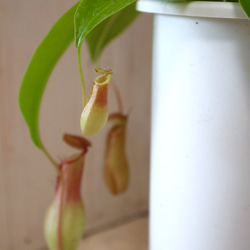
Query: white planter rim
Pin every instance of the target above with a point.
(231, 10)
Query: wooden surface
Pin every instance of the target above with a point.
(27, 179)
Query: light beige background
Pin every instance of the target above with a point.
(26, 177)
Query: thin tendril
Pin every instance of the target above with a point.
(51, 159)
(118, 96)
(81, 75)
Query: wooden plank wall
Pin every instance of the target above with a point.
(26, 177)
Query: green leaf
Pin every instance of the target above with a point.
(245, 4)
(110, 28)
(39, 69)
(92, 12)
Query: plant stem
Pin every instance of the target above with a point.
(81, 75)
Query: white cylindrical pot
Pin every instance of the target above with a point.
(200, 158)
